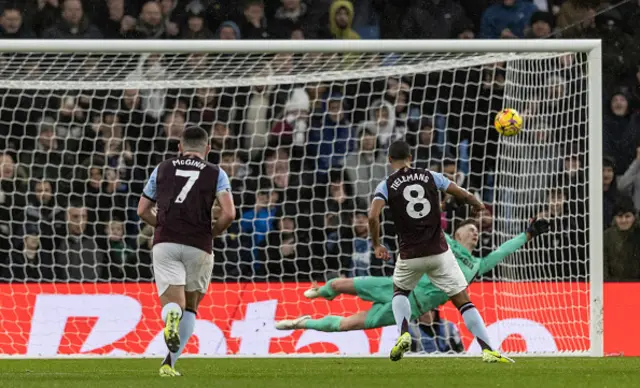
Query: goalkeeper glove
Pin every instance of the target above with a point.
(538, 227)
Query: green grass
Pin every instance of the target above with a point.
(325, 373)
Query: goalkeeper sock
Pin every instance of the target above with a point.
(170, 307)
(401, 312)
(187, 325)
(474, 322)
(330, 323)
(326, 291)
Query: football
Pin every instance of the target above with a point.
(508, 122)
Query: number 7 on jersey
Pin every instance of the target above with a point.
(193, 177)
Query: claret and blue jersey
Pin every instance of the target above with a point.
(412, 195)
(184, 190)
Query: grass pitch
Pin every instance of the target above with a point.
(325, 373)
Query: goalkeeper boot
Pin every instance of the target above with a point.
(403, 344)
(492, 356)
(171, 331)
(167, 371)
(292, 324)
(313, 292)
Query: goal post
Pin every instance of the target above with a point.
(91, 118)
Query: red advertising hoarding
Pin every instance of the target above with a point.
(46, 320)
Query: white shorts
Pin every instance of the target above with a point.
(443, 271)
(181, 265)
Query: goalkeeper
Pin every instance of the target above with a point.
(424, 298)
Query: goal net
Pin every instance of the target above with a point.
(302, 130)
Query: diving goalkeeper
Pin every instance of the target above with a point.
(424, 298)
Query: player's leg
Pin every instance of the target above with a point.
(198, 268)
(332, 323)
(445, 273)
(331, 289)
(406, 275)
(170, 276)
(379, 315)
(187, 325)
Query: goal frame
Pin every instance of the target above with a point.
(591, 47)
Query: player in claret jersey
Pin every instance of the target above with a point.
(412, 195)
(184, 190)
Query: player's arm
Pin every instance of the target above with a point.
(461, 195)
(535, 229)
(224, 198)
(147, 201)
(379, 201)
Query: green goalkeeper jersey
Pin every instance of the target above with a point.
(426, 296)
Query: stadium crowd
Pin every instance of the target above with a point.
(303, 160)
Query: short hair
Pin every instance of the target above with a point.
(468, 221)
(194, 139)
(399, 150)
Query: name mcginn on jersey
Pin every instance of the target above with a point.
(190, 162)
(418, 176)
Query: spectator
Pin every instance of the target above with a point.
(46, 160)
(256, 223)
(196, 27)
(46, 16)
(351, 244)
(621, 132)
(382, 123)
(221, 139)
(256, 116)
(140, 265)
(111, 21)
(40, 212)
(166, 145)
(609, 28)
(254, 24)
(366, 166)
(337, 210)
(575, 16)
(463, 30)
(12, 198)
(610, 188)
(341, 20)
(288, 18)
(118, 251)
(232, 165)
(150, 68)
(622, 244)
(332, 140)
(150, 25)
(629, 182)
(632, 87)
(171, 16)
(406, 114)
(285, 255)
(228, 31)
(292, 129)
(11, 24)
(74, 24)
(432, 19)
(78, 258)
(427, 154)
(541, 25)
(507, 19)
(565, 242)
(29, 264)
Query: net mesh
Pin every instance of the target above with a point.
(303, 138)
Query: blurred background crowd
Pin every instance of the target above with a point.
(303, 159)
